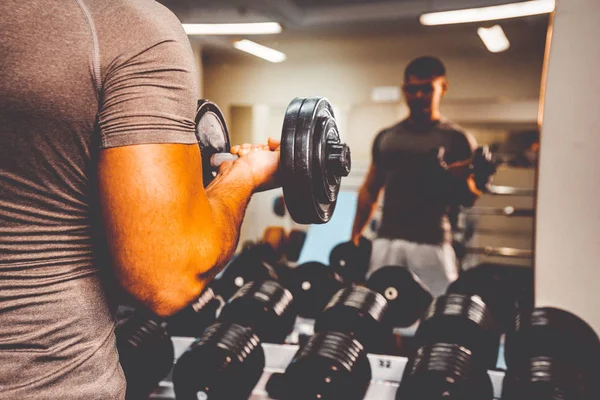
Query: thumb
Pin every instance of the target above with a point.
(274, 143)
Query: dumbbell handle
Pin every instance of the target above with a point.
(338, 158)
(219, 158)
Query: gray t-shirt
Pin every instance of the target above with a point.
(399, 154)
(77, 76)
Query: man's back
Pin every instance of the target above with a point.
(400, 154)
(58, 58)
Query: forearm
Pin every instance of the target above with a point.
(213, 241)
(228, 196)
(364, 210)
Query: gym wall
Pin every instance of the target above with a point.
(568, 223)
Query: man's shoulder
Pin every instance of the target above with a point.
(455, 131)
(393, 129)
(450, 127)
(136, 19)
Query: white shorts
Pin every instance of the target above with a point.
(433, 266)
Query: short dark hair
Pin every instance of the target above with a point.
(425, 67)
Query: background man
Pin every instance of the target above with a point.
(414, 230)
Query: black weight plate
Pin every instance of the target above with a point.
(351, 262)
(252, 265)
(330, 366)
(485, 282)
(358, 312)
(225, 363)
(265, 307)
(463, 320)
(313, 284)
(196, 317)
(287, 160)
(407, 299)
(555, 333)
(309, 193)
(145, 352)
(444, 371)
(212, 135)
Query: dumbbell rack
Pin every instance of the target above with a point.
(386, 370)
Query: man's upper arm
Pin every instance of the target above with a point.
(375, 180)
(150, 177)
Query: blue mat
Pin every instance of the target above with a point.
(321, 239)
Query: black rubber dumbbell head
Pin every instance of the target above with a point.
(407, 299)
(358, 312)
(331, 366)
(266, 307)
(225, 363)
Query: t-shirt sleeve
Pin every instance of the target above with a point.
(149, 92)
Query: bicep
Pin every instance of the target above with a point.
(149, 194)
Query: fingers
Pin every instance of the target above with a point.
(273, 144)
(246, 148)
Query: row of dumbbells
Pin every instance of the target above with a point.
(551, 354)
(144, 340)
(313, 283)
(463, 319)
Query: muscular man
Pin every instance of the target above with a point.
(414, 230)
(100, 172)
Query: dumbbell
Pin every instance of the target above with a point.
(358, 312)
(350, 261)
(551, 354)
(444, 371)
(465, 321)
(265, 307)
(279, 206)
(196, 317)
(146, 352)
(313, 159)
(295, 243)
(255, 263)
(331, 366)
(313, 284)
(225, 363)
(407, 299)
(259, 311)
(496, 292)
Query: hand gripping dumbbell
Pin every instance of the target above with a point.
(313, 159)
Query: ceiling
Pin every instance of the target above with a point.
(338, 23)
